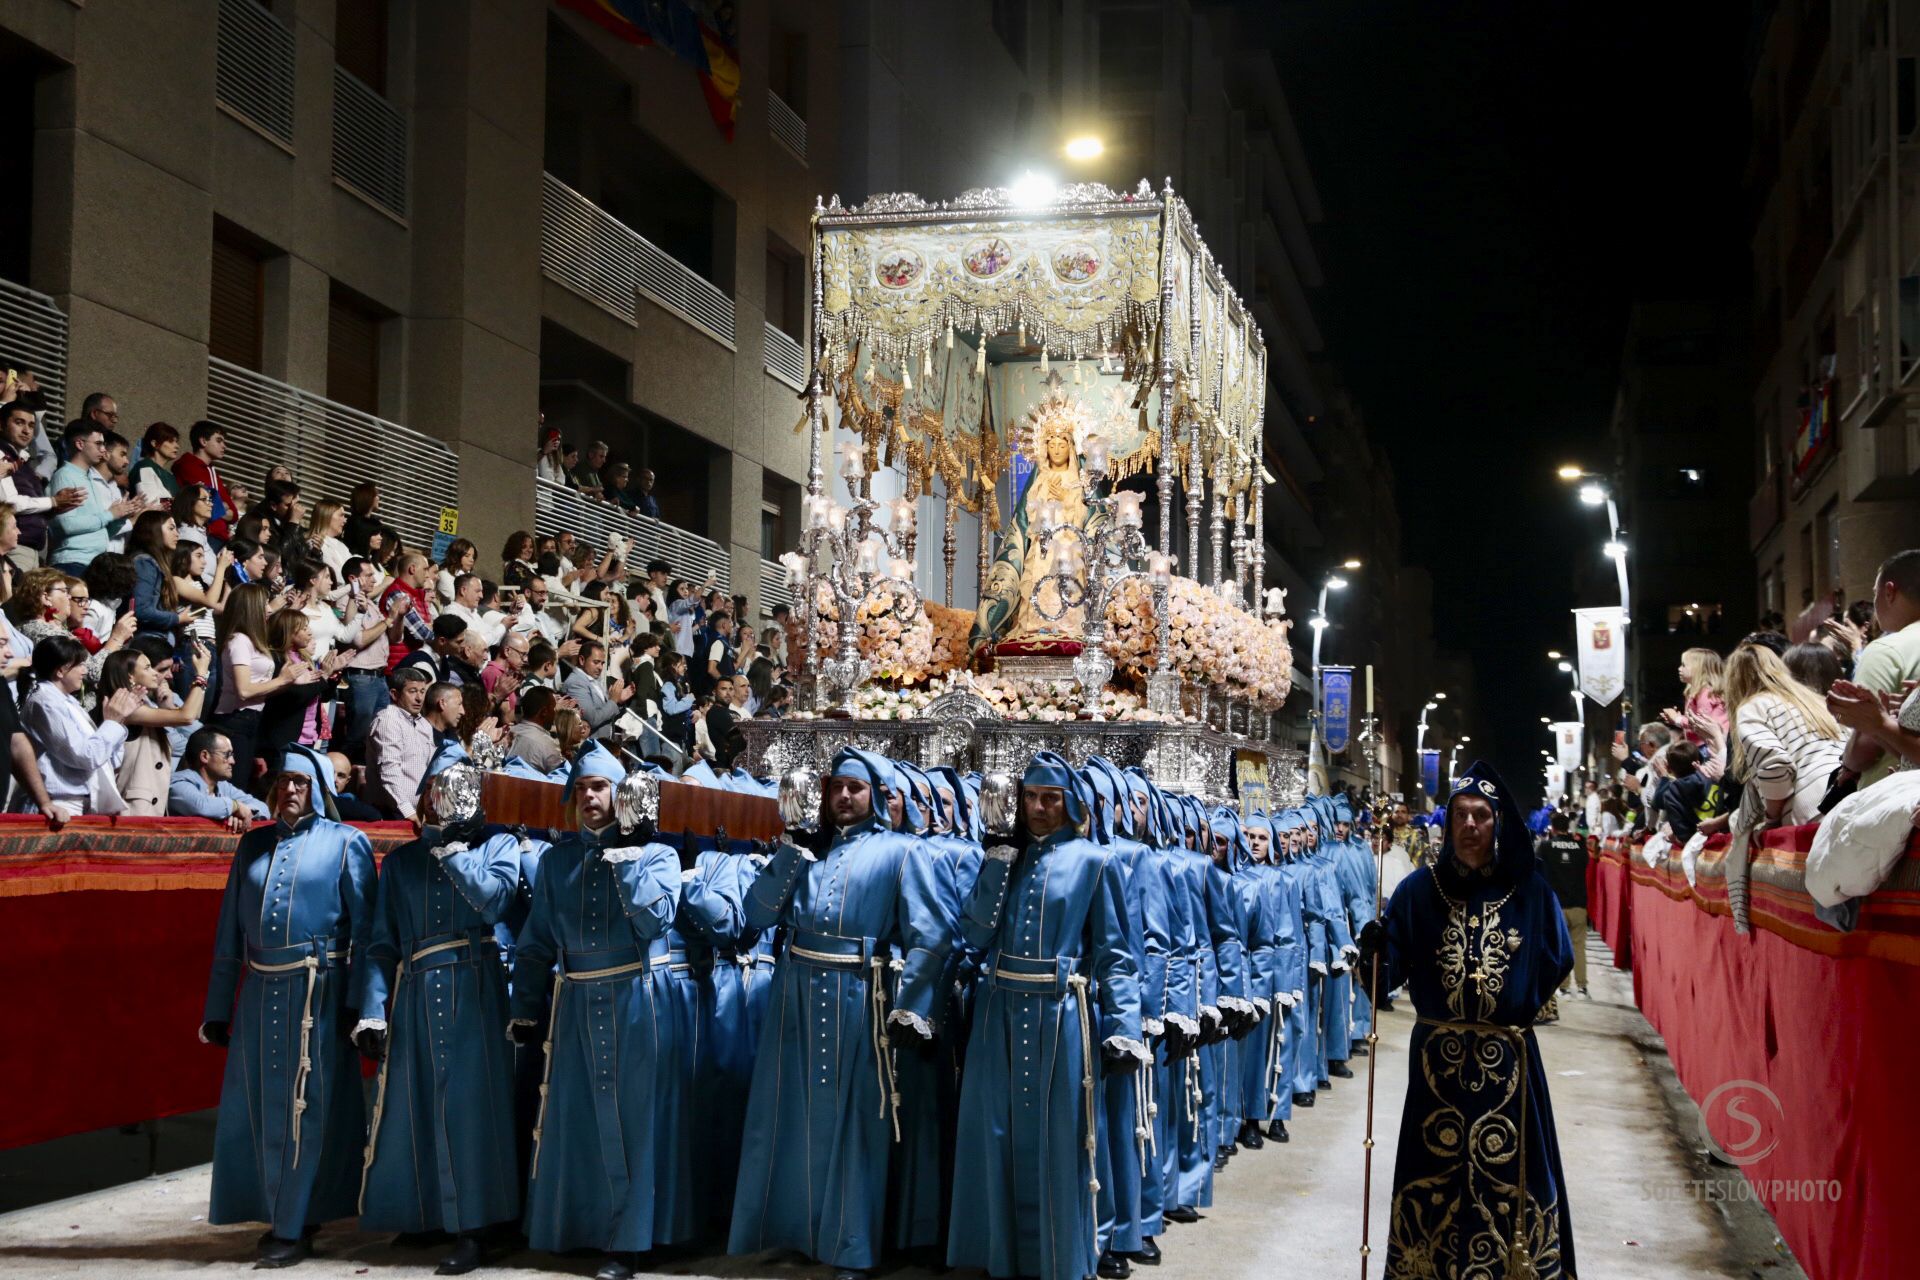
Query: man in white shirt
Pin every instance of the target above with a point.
(534, 616)
(19, 432)
(467, 590)
(401, 745)
(1592, 807)
(659, 578)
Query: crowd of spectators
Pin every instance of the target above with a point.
(1796, 718)
(167, 636)
(594, 475)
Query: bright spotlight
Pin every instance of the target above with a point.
(1086, 147)
(1337, 583)
(1031, 190)
(1570, 472)
(1566, 666)
(1592, 494)
(1615, 549)
(1350, 564)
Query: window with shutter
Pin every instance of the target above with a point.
(353, 353)
(234, 331)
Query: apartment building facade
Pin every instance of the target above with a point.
(1836, 340)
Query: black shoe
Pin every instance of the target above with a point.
(276, 1252)
(1360, 1049)
(1388, 1006)
(1325, 1084)
(1219, 1163)
(1302, 1099)
(618, 1266)
(1250, 1135)
(467, 1254)
(1340, 1071)
(1148, 1254)
(1181, 1213)
(1113, 1267)
(1277, 1132)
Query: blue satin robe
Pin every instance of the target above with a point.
(1290, 990)
(1129, 1206)
(592, 1185)
(1488, 950)
(1336, 1013)
(286, 1149)
(713, 906)
(1252, 899)
(1222, 1084)
(819, 1127)
(1195, 1079)
(1023, 1179)
(1176, 1083)
(441, 1155)
(1357, 878)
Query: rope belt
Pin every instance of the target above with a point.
(1144, 1110)
(1519, 1257)
(883, 1067)
(1077, 983)
(311, 963)
(1191, 1087)
(1276, 1058)
(560, 978)
(400, 974)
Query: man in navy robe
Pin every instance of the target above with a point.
(1479, 939)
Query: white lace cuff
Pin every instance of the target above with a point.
(1129, 1046)
(1236, 1004)
(689, 874)
(518, 1022)
(445, 851)
(1349, 953)
(1318, 966)
(1187, 1026)
(1153, 1026)
(200, 1034)
(1264, 1005)
(806, 854)
(1003, 853)
(1298, 995)
(1340, 965)
(913, 1021)
(626, 853)
(1209, 1014)
(367, 1024)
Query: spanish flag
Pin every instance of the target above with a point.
(701, 33)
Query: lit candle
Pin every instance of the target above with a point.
(816, 508)
(836, 516)
(900, 569)
(1369, 688)
(869, 561)
(796, 567)
(1160, 569)
(1051, 513)
(1129, 514)
(853, 460)
(1276, 600)
(903, 515)
(1095, 452)
(1064, 556)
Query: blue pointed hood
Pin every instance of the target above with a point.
(593, 760)
(1225, 821)
(875, 770)
(1513, 856)
(1115, 782)
(318, 766)
(1139, 785)
(1050, 769)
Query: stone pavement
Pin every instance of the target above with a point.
(1627, 1135)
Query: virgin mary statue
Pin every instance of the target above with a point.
(1008, 619)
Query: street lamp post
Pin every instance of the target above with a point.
(1333, 582)
(1453, 759)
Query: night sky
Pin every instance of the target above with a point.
(1501, 182)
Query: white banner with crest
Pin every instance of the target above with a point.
(1601, 637)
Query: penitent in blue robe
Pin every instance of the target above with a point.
(1054, 926)
(1356, 879)
(1272, 1097)
(820, 1117)
(713, 907)
(298, 906)
(1481, 953)
(1135, 1158)
(599, 922)
(441, 1152)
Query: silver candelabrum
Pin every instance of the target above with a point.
(1106, 555)
(841, 557)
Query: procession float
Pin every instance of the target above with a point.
(1074, 369)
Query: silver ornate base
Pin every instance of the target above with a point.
(960, 730)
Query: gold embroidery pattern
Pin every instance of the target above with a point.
(1458, 1223)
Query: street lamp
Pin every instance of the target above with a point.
(1594, 493)
(1453, 760)
(1420, 739)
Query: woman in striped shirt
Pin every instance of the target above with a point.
(1785, 743)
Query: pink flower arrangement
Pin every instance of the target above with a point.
(1212, 642)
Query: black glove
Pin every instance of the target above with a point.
(1118, 1061)
(217, 1034)
(1213, 1030)
(643, 833)
(1373, 946)
(908, 1036)
(524, 1033)
(1178, 1043)
(1248, 1021)
(371, 1042)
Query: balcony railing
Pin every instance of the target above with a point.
(788, 129)
(785, 359)
(331, 448)
(558, 509)
(369, 144)
(586, 249)
(33, 337)
(774, 587)
(253, 68)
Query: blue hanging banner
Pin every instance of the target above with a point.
(1336, 702)
(1430, 772)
